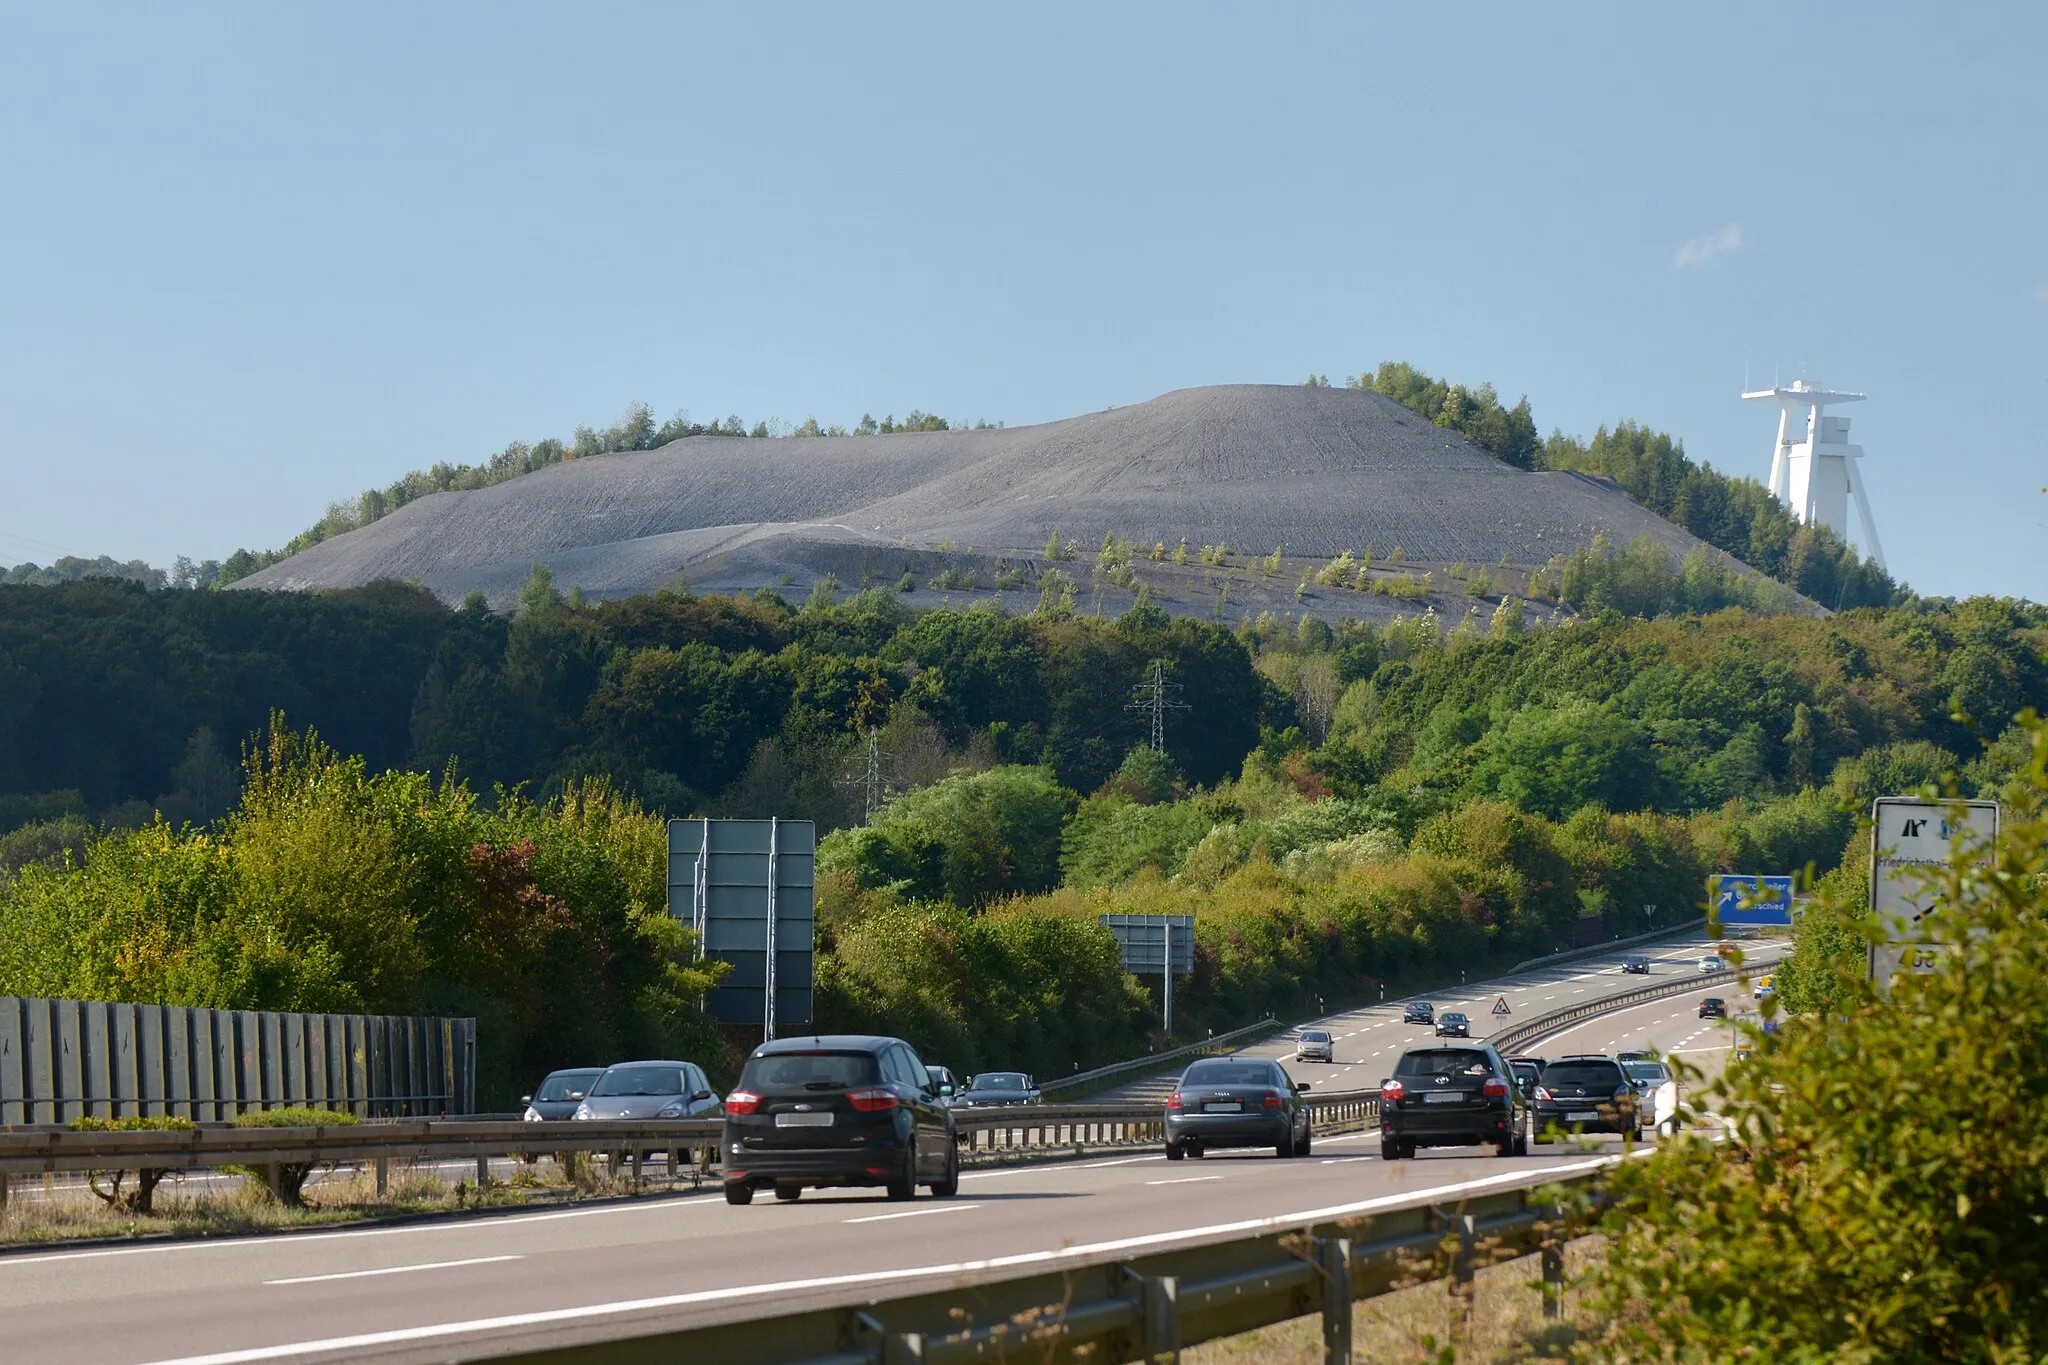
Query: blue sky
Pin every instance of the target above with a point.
(256, 258)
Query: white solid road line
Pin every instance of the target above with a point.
(914, 1213)
(1185, 1180)
(393, 1270)
(440, 1330)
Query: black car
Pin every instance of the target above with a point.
(557, 1096)
(1236, 1102)
(1713, 1007)
(1418, 1012)
(1525, 1070)
(1635, 964)
(1451, 1024)
(1452, 1097)
(997, 1087)
(842, 1109)
(1584, 1094)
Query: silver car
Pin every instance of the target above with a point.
(1314, 1045)
(651, 1090)
(557, 1096)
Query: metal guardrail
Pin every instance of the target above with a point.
(1224, 1041)
(1595, 949)
(1522, 1034)
(1108, 1306)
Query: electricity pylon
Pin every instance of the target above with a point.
(1155, 696)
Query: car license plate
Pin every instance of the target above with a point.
(1443, 1097)
(1223, 1107)
(803, 1120)
(1583, 1116)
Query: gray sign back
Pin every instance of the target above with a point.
(722, 877)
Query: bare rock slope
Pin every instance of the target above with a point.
(1317, 470)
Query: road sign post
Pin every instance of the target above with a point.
(1912, 841)
(747, 887)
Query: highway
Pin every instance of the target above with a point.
(413, 1291)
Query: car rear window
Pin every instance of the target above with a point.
(1229, 1073)
(1429, 1061)
(1646, 1071)
(1582, 1073)
(639, 1080)
(808, 1071)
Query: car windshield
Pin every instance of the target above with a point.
(1001, 1080)
(808, 1071)
(1582, 1073)
(639, 1080)
(1645, 1071)
(1315, 1035)
(563, 1084)
(1453, 1017)
(1431, 1061)
(1229, 1073)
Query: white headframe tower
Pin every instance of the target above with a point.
(1814, 468)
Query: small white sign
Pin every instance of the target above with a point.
(1912, 841)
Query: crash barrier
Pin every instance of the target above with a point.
(66, 1059)
(1520, 1035)
(1099, 1305)
(1221, 1042)
(1567, 956)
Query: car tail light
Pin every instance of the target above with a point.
(873, 1100)
(1173, 1101)
(1272, 1099)
(1541, 1093)
(1495, 1090)
(1392, 1090)
(742, 1102)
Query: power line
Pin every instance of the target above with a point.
(1156, 696)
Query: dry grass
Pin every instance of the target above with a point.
(212, 1206)
(1501, 1322)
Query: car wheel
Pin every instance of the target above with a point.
(1174, 1151)
(1389, 1150)
(904, 1186)
(1285, 1146)
(1301, 1148)
(1522, 1140)
(738, 1192)
(949, 1185)
(1408, 1151)
(789, 1194)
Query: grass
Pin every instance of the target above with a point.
(1500, 1319)
(71, 1213)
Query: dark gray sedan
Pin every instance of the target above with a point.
(1236, 1102)
(997, 1087)
(650, 1090)
(557, 1096)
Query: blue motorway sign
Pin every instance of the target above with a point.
(1742, 900)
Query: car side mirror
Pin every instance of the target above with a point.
(701, 1095)
(945, 1090)
(526, 1099)
(1300, 1086)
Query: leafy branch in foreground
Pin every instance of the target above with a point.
(1883, 1190)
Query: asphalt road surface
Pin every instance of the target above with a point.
(413, 1292)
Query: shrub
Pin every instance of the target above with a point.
(142, 1198)
(286, 1180)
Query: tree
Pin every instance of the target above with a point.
(1881, 1189)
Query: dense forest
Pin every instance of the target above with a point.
(1340, 807)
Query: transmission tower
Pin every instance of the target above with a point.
(1156, 696)
(870, 779)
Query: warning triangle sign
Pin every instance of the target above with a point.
(1500, 1006)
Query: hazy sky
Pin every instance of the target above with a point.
(254, 259)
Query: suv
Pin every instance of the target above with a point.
(1418, 1012)
(1236, 1102)
(1451, 1024)
(1635, 964)
(842, 1109)
(1314, 1045)
(1452, 1097)
(1584, 1094)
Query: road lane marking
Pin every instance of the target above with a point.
(544, 1317)
(913, 1213)
(393, 1270)
(1185, 1180)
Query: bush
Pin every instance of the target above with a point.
(1881, 1192)
(140, 1199)
(286, 1180)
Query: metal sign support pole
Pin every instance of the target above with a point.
(1167, 943)
(700, 894)
(774, 875)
